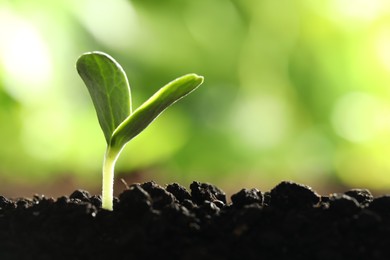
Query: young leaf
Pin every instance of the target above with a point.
(109, 89)
(153, 107)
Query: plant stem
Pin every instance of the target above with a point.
(108, 177)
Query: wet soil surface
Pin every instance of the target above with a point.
(153, 222)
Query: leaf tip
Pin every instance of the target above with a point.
(88, 56)
(197, 78)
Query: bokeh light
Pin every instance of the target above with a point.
(296, 90)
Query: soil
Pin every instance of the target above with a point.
(153, 222)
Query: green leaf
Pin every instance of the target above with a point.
(109, 89)
(153, 107)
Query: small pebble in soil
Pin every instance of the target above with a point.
(160, 196)
(293, 195)
(363, 196)
(343, 204)
(246, 197)
(81, 195)
(179, 192)
(202, 192)
(134, 200)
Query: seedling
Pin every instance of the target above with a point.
(110, 92)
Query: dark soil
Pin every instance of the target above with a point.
(151, 222)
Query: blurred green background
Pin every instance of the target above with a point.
(294, 90)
